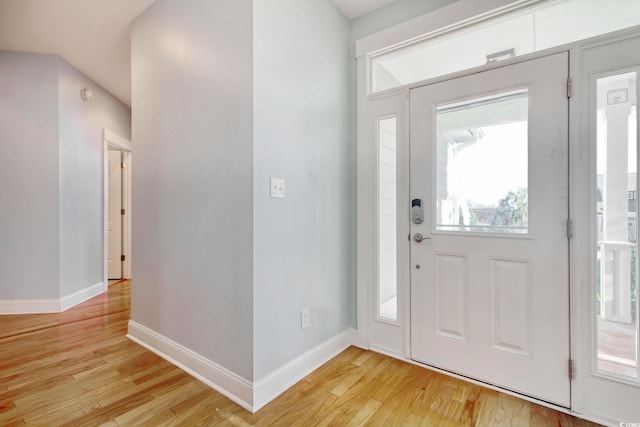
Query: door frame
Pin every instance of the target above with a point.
(112, 140)
(366, 176)
(383, 336)
(579, 269)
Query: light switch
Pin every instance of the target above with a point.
(277, 188)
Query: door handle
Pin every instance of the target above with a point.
(418, 238)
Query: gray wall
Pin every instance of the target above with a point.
(192, 177)
(51, 176)
(223, 92)
(304, 250)
(392, 14)
(80, 139)
(28, 176)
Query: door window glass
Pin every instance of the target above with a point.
(482, 164)
(616, 287)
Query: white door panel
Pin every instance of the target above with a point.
(489, 283)
(114, 221)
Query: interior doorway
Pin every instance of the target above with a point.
(117, 157)
(115, 213)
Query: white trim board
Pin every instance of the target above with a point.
(273, 385)
(29, 306)
(452, 16)
(250, 395)
(215, 376)
(81, 296)
(114, 140)
(46, 306)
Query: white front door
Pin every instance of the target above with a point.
(114, 221)
(489, 246)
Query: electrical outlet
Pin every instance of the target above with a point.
(276, 188)
(304, 318)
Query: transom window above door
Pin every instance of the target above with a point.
(544, 25)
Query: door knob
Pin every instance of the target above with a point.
(419, 237)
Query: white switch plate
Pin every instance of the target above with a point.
(304, 318)
(276, 188)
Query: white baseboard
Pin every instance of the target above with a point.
(215, 376)
(81, 296)
(251, 396)
(597, 418)
(43, 306)
(388, 352)
(268, 388)
(29, 306)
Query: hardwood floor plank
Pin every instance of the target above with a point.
(200, 411)
(131, 389)
(77, 368)
(108, 413)
(365, 413)
(320, 405)
(14, 423)
(160, 403)
(412, 420)
(469, 414)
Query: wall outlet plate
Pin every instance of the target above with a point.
(304, 318)
(276, 186)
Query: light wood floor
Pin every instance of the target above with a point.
(78, 369)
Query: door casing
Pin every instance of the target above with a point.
(117, 142)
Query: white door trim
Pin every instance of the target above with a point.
(115, 141)
(459, 14)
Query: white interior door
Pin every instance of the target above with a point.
(489, 260)
(114, 221)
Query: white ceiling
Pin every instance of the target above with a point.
(354, 8)
(94, 35)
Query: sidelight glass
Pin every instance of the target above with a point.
(616, 287)
(387, 305)
(482, 164)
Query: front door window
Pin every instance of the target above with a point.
(482, 164)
